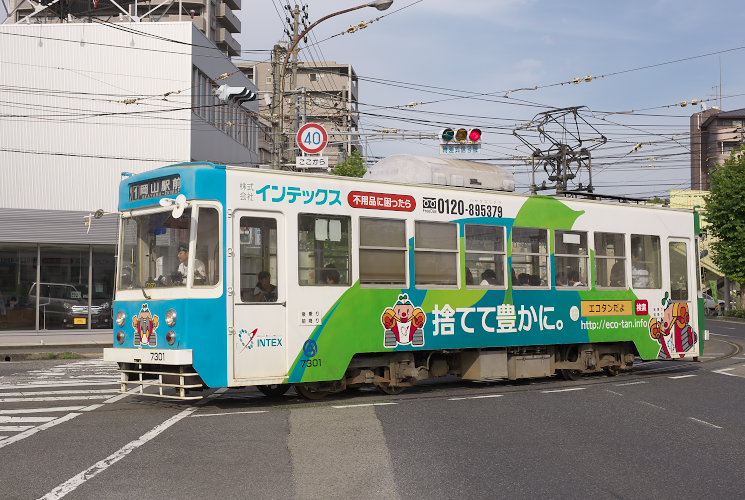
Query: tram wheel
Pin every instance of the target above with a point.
(612, 371)
(274, 389)
(393, 390)
(571, 374)
(310, 394)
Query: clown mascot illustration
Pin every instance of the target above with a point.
(145, 325)
(673, 331)
(404, 323)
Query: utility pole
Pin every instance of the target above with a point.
(277, 135)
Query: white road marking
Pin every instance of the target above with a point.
(631, 383)
(364, 404)
(41, 410)
(75, 481)
(227, 413)
(30, 420)
(652, 405)
(50, 398)
(58, 393)
(724, 371)
(681, 376)
(92, 407)
(35, 385)
(565, 390)
(705, 423)
(15, 428)
(477, 397)
(614, 392)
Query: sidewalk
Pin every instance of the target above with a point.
(19, 345)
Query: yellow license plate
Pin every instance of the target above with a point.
(80, 321)
(607, 308)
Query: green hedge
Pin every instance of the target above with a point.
(735, 313)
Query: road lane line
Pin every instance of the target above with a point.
(724, 371)
(92, 407)
(631, 383)
(681, 376)
(705, 423)
(34, 430)
(15, 428)
(30, 420)
(483, 396)
(565, 390)
(57, 384)
(228, 413)
(363, 404)
(41, 410)
(57, 393)
(614, 392)
(50, 398)
(652, 405)
(74, 482)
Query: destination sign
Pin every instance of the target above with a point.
(155, 188)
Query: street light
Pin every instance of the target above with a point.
(378, 4)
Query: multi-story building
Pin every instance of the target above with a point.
(84, 103)
(714, 134)
(215, 18)
(326, 93)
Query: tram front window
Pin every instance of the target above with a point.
(155, 250)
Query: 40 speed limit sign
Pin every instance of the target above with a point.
(312, 138)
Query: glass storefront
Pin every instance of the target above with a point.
(70, 286)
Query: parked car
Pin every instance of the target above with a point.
(66, 305)
(713, 307)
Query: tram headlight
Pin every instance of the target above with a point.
(171, 317)
(121, 317)
(120, 336)
(171, 337)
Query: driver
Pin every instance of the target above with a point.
(183, 257)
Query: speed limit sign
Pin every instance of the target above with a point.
(312, 138)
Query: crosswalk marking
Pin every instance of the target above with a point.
(34, 430)
(51, 409)
(15, 428)
(51, 398)
(59, 393)
(14, 420)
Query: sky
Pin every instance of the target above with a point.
(459, 58)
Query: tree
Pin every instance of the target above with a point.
(725, 214)
(353, 166)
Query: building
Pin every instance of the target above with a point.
(714, 134)
(215, 18)
(83, 103)
(327, 93)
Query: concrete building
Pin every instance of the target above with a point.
(215, 18)
(328, 94)
(83, 103)
(714, 134)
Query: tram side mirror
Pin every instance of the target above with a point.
(179, 205)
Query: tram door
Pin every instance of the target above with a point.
(683, 336)
(259, 296)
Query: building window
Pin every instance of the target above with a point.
(529, 256)
(485, 256)
(323, 250)
(436, 253)
(570, 250)
(610, 260)
(382, 252)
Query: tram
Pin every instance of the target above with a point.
(234, 277)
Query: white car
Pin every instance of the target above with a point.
(713, 306)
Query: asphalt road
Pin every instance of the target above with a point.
(665, 430)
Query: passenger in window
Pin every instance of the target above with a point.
(489, 278)
(183, 256)
(523, 279)
(330, 275)
(534, 280)
(574, 279)
(639, 272)
(617, 275)
(265, 291)
(561, 279)
(469, 277)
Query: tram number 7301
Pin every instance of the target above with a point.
(310, 363)
(157, 356)
(459, 207)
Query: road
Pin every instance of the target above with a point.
(665, 430)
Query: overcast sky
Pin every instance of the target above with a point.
(463, 47)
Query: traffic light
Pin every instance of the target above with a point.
(238, 95)
(461, 135)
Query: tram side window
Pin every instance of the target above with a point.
(529, 256)
(208, 248)
(484, 255)
(258, 259)
(570, 249)
(610, 260)
(436, 253)
(382, 252)
(323, 250)
(646, 268)
(678, 271)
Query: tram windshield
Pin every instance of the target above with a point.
(155, 249)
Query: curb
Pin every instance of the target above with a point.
(46, 355)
